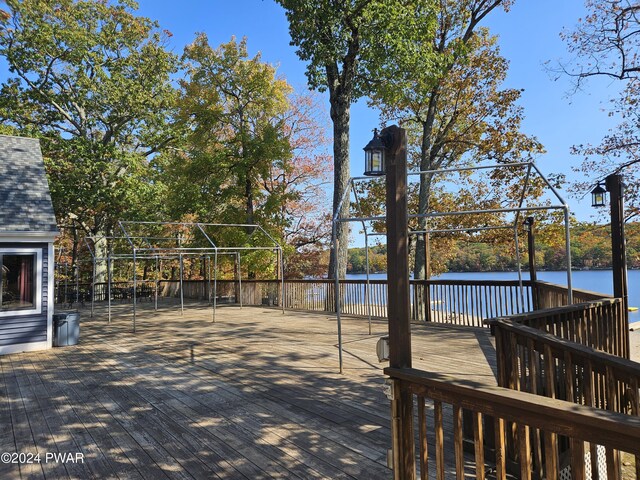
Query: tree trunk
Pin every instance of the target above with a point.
(101, 247)
(423, 199)
(340, 116)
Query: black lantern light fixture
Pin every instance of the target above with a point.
(598, 196)
(374, 156)
(528, 223)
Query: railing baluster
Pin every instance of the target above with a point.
(478, 440)
(634, 402)
(551, 455)
(613, 463)
(569, 377)
(501, 455)
(439, 437)
(577, 460)
(457, 441)
(524, 452)
(424, 448)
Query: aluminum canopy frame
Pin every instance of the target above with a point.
(158, 247)
(90, 240)
(531, 168)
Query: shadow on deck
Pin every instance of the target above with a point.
(255, 395)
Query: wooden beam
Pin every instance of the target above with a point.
(399, 303)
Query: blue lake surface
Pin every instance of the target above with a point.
(595, 280)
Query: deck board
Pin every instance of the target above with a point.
(257, 394)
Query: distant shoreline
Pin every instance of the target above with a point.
(505, 271)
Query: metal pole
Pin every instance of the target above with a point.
(181, 287)
(427, 276)
(239, 278)
(135, 287)
(521, 298)
(280, 276)
(568, 255)
(66, 282)
(109, 284)
(366, 286)
(209, 278)
(93, 286)
(281, 261)
(531, 247)
(157, 282)
(215, 283)
(77, 271)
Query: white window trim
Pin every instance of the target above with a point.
(37, 310)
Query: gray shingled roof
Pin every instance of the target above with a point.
(25, 201)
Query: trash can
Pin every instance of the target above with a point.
(66, 328)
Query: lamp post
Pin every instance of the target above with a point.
(387, 152)
(598, 195)
(615, 187)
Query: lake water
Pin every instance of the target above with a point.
(595, 280)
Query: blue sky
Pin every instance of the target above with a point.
(528, 37)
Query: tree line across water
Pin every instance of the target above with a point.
(590, 249)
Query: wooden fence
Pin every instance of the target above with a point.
(550, 295)
(459, 302)
(599, 324)
(440, 403)
(557, 360)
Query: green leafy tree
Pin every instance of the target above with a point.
(252, 151)
(457, 112)
(232, 106)
(345, 44)
(92, 80)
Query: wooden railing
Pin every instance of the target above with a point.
(495, 412)
(459, 302)
(537, 362)
(599, 324)
(550, 295)
(122, 291)
(450, 301)
(469, 302)
(562, 353)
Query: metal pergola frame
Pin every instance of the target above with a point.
(531, 169)
(151, 249)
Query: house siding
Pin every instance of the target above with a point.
(27, 329)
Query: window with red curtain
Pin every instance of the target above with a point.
(17, 282)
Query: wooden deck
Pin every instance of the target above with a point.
(255, 395)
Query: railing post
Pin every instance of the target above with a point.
(531, 250)
(427, 277)
(398, 296)
(619, 257)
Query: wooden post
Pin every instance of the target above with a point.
(619, 257)
(395, 139)
(531, 249)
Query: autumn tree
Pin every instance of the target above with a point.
(343, 43)
(299, 184)
(606, 43)
(456, 111)
(231, 108)
(252, 151)
(92, 80)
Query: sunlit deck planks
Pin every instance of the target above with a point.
(255, 395)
